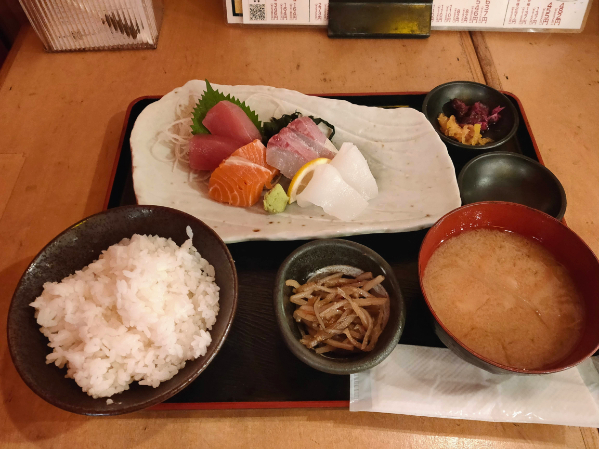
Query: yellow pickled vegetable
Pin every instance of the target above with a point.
(466, 134)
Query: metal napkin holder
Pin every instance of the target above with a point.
(380, 19)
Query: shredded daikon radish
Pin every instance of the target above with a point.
(177, 134)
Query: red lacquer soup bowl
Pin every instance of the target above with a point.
(567, 247)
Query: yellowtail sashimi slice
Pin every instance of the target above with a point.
(288, 152)
(328, 190)
(307, 127)
(296, 145)
(354, 170)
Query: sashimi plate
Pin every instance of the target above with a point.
(415, 175)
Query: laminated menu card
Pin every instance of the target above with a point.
(501, 15)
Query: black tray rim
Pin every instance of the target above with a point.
(166, 406)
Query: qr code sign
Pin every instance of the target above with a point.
(257, 12)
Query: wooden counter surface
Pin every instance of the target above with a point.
(556, 76)
(60, 121)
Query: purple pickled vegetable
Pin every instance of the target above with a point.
(478, 113)
(460, 107)
(495, 115)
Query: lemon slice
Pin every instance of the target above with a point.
(303, 176)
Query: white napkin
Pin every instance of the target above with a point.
(422, 381)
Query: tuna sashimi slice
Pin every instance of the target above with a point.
(354, 170)
(240, 179)
(207, 151)
(228, 120)
(328, 190)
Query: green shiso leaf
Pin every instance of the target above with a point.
(208, 100)
(277, 124)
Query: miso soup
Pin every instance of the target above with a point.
(505, 297)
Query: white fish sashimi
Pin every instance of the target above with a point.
(320, 149)
(287, 162)
(287, 152)
(354, 170)
(329, 146)
(309, 129)
(328, 190)
(297, 144)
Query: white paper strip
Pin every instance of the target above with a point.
(434, 382)
(447, 14)
(286, 12)
(508, 14)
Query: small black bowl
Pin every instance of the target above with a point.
(77, 247)
(334, 255)
(438, 101)
(511, 177)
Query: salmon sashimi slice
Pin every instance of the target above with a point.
(238, 182)
(256, 152)
(240, 179)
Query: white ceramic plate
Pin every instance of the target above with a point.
(415, 176)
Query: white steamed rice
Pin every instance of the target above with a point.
(136, 314)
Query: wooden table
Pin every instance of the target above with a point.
(60, 120)
(556, 76)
